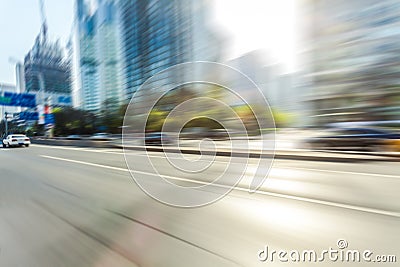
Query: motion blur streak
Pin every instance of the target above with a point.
(329, 130)
(92, 216)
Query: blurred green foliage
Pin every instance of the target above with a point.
(73, 121)
(283, 119)
(210, 114)
(69, 120)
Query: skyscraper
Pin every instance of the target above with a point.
(158, 34)
(99, 63)
(47, 73)
(354, 60)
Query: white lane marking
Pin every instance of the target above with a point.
(102, 151)
(86, 163)
(341, 172)
(105, 150)
(60, 147)
(222, 161)
(291, 197)
(80, 149)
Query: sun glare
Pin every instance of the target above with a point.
(260, 24)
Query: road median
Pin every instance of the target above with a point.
(293, 154)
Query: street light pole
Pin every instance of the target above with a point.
(6, 122)
(3, 109)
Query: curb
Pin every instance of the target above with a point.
(323, 158)
(291, 155)
(78, 143)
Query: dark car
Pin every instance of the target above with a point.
(370, 139)
(157, 138)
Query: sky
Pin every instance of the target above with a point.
(251, 24)
(19, 25)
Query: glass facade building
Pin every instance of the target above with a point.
(158, 34)
(99, 63)
(354, 60)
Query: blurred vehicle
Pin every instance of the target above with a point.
(101, 137)
(202, 132)
(193, 133)
(355, 139)
(218, 134)
(74, 137)
(157, 138)
(16, 140)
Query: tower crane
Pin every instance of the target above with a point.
(43, 29)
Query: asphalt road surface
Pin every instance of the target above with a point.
(65, 206)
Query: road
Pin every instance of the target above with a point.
(66, 206)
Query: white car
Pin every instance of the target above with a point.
(16, 140)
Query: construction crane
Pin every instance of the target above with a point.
(43, 30)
